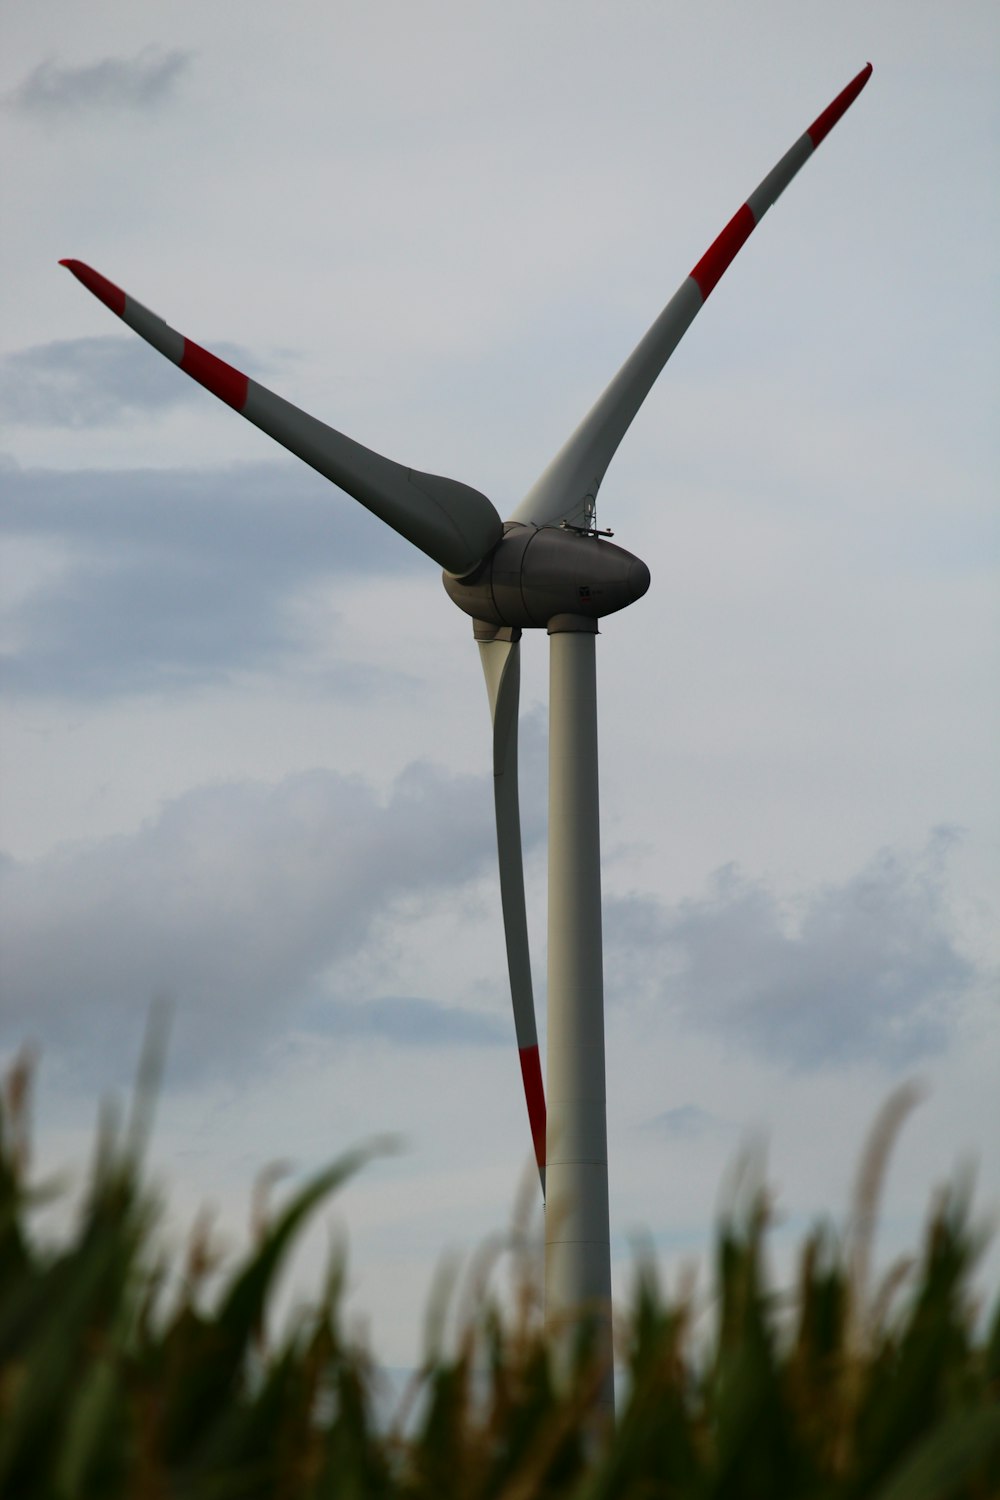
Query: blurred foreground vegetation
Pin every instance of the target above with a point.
(124, 1375)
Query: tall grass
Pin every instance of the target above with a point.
(123, 1375)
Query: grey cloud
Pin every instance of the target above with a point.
(413, 1022)
(177, 577)
(235, 903)
(135, 83)
(688, 1122)
(93, 382)
(870, 969)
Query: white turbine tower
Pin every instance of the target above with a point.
(547, 567)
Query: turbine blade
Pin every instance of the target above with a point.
(500, 656)
(567, 489)
(452, 523)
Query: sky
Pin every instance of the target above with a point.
(245, 740)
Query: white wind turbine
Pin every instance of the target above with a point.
(547, 567)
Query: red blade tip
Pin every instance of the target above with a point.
(825, 122)
(104, 290)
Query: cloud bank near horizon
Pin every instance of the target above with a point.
(236, 902)
(868, 969)
(242, 900)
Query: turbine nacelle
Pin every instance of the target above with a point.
(537, 572)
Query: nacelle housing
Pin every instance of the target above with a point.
(535, 573)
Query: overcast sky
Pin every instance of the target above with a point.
(246, 743)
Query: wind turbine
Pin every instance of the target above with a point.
(547, 567)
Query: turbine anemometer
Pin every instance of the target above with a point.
(547, 567)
